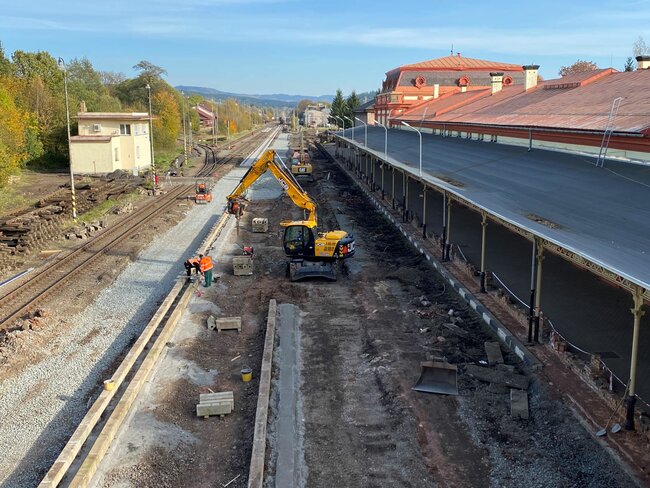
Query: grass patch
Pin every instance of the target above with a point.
(11, 199)
(98, 211)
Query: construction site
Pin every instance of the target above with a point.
(342, 355)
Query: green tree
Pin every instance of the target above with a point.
(302, 106)
(38, 65)
(629, 64)
(150, 71)
(580, 66)
(85, 84)
(13, 153)
(351, 103)
(338, 105)
(5, 64)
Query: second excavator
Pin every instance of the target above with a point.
(311, 253)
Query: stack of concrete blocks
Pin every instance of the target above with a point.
(260, 225)
(222, 403)
(242, 265)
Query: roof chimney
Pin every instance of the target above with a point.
(436, 90)
(530, 76)
(497, 82)
(642, 62)
(82, 107)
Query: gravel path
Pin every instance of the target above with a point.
(42, 406)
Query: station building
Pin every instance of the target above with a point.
(584, 112)
(411, 84)
(109, 141)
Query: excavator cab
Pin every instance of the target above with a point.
(298, 241)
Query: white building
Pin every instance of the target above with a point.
(110, 141)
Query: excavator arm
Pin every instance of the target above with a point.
(287, 181)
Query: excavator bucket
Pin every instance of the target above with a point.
(437, 377)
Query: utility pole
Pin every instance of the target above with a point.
(73, 197)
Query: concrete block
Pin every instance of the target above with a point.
(488, 375)
(222, 403)
(493, 351)
(228, 323)
(242, 265)
(519, 404)
(212, 323)
(260, 224)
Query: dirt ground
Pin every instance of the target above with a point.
(362, 340)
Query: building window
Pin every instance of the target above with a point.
(137, 151)
(125, 129)
(117, 154)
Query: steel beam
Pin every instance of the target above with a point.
(483, 243)
(630, 401)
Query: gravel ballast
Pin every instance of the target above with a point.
(42, 405)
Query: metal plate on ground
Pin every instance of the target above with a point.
(437, 377)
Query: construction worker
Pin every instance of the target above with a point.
(205, 265)
(190, 264)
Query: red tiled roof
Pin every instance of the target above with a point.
(581, 107)
(458, 62)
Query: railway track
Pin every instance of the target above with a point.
(28, 295)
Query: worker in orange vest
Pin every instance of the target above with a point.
(205, 265)
(190, 264)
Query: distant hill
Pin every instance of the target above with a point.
(277, 100)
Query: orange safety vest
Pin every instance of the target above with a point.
(205, 264)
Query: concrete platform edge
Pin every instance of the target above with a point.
(258, 456)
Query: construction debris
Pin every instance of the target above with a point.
(260, 224)
(493, 351)
(242, 265)
(512, 380)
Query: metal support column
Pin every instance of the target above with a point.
(382, 164)
(448, 236)
(443, 237)
(424, 211)
(538, 291)
(405, 197)
(393, 193)
(483, 243)
(533, 281)
(630, 401)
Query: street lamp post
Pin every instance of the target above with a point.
(352, 124)
(419, 134)
(73, 197)
(365, 128)
(153, 160)
(184, 133)
(385, 162)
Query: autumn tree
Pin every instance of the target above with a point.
(640, 48)
(167, 121)
(13, 153)
(302, 106)
(579, 66)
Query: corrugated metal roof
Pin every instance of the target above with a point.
(581, 107)
(458, 62)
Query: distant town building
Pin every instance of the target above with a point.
(316, 116)
(410, 84)
(366, 112)
(111, 141)
(206, 116)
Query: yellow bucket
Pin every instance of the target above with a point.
(109, 385)
(246, 375)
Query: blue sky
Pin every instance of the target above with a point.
(314, 47)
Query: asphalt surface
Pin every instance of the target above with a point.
(600, 213)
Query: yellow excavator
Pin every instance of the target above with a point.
(311, 253)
